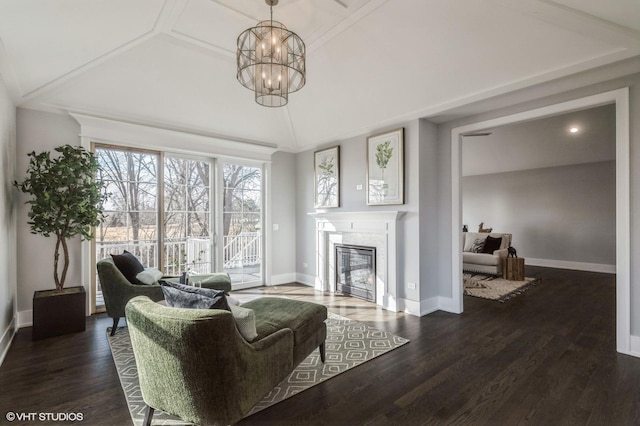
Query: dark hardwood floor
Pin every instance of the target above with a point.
(546, 357)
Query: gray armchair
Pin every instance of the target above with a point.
(117, 290)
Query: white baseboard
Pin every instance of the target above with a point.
(25, 318)
(446, 304)
(7, 338)
(283, 279)
(634, 346)
(577, 266)
(305, 279)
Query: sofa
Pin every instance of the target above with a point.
(196, 364)
(480, 257)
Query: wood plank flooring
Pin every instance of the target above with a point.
(546, 357)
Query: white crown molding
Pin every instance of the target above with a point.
(105, 130)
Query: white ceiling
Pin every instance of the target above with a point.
(371, 63)
(546, 142)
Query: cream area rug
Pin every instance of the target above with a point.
(494, 288)
(349, 344)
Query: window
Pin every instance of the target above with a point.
(178, 237)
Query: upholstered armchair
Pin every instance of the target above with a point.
(117, 290)
(193, 363)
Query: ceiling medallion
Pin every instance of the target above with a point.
(271, 61)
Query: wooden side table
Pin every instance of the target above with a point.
(513, 268)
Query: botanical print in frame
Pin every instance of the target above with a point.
(327, 178)
(385, 168)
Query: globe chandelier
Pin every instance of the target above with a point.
(271, 61)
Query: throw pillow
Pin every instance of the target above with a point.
(245, 322)
(477, 246)
(149, 276)
(129, 265)
(491, 244)
(183, 296)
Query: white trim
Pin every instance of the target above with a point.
(623, 213)
(634, 346)
(7, 338)
(25, 318)
(306, 279)
(283, 279)
(379, 227)
(576, 266)
(142, 136)
(418, 309)
(447, 304)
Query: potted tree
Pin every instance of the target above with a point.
(66, 201)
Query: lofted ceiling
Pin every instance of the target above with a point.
(371, 63)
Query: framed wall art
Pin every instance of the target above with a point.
(327, 178)
(385, 168)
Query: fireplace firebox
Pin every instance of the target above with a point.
(356, 271)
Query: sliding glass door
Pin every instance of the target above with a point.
(242, 223)
(161, 209)
(187, 216)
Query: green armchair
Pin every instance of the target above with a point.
(117, 290)
(193, 363)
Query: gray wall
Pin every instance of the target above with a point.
(8, 290)
(283, 213)
(39, 131)
(565, 89)
(560, 213)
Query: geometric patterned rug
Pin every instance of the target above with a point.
(495, 288)
(349, 344)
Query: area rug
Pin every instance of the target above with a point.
(349, 344)
(495, 288)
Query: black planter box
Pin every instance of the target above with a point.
(59, 312)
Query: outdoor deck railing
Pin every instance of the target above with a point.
(192, 254)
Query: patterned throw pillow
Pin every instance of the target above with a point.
(478, 245)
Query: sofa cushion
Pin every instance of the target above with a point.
(183, 296)
(491, 244)
(274, 313)
(480, 259)
(129, 265)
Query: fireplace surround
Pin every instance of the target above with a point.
(377, 229)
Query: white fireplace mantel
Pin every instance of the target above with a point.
(372, 228)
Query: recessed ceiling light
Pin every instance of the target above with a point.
(574, 129)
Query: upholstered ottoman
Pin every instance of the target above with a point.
(305, 319)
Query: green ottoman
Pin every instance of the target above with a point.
(305, 319)
(216, 281)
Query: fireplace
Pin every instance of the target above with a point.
(356, 271)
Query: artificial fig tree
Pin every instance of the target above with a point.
(67, 201)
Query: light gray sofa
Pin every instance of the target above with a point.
(484, 263)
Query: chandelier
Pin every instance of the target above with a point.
(271, 61)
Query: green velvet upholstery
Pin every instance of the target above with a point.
(305, 319)
(193, 363)
(117, 290)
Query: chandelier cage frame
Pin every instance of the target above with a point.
(271, 61)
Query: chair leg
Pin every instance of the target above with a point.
(148, 416)
(115, 325)
(322, 352)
